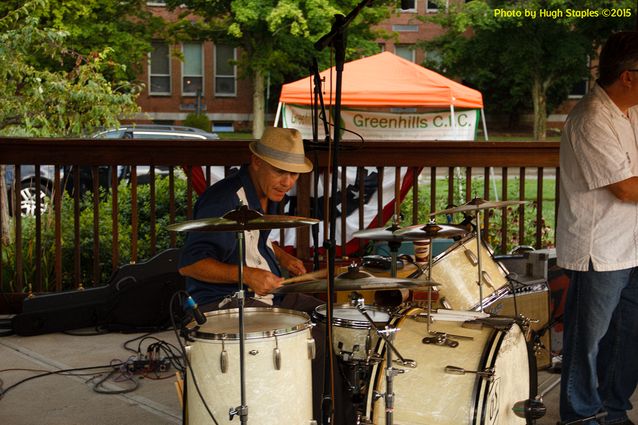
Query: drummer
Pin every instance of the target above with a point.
(209, 260)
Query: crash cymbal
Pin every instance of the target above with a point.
(364, 283)
(432, 231)
(241, 219)
(478, 204)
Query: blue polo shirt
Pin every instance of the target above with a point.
(216, 201)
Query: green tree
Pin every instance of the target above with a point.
(38, 101)
(124, 27)
(524, 55)
(276, 37)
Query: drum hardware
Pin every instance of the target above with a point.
(223, 357)
(530, 409)
(444, 338)
(276, 355)
(487, 373)
(357, 301)
(239, 220)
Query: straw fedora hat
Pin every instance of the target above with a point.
(282, 148)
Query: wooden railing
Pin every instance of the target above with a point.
(463, 170)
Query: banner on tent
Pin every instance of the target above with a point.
(440, 125)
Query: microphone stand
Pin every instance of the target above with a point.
(335, 38)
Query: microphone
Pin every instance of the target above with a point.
(197, 314)
(530, 409)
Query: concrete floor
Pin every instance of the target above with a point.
(70, 400)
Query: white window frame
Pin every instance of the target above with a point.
(234, 76)
(411, 10)
(151, 75)
(201, 71)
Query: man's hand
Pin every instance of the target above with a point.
(262, 282)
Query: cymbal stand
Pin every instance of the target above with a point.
(478, 256)
(387, 335)
(430, 249)
(242, 409)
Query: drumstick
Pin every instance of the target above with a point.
(319, 274)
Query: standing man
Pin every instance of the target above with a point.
(597, 241)
(210, 259)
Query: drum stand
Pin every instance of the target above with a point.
(387, 335)
(242, 409)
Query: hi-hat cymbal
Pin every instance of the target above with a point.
(364, 283)
(240, 219)
(478, 204)
(432, 231)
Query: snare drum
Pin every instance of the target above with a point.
(278, 352)
(430, 394)
(352, 334)
(457, 271)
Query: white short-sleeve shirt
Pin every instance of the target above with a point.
(599, 146)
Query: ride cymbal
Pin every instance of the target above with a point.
(387, 234)
(478, 204)
(241, 219)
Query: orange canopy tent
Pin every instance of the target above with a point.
(386, 79)
(376, 83)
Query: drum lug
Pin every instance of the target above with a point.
(312, 348)
(376, 395)
(488, 279)
(471, 257)
(487, 373)
(223, 359)
(441, 339)
(276, 355)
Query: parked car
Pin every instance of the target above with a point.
(28, 190)
(153, 131)
(138, 131)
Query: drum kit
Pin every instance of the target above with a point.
(457, 364)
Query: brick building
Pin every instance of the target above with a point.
(205, 81)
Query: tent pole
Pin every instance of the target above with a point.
(277, 114)
(484, 125)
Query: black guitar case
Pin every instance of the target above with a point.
(137, 299)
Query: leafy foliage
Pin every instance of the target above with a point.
(36, 100)
(521, 63)
(200, 121)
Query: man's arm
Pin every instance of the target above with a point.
(625, 190)
(261, 281)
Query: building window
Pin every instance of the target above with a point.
(225, 71)
(405, 28)
(192, 69)
(160, 72)
(433, 6)
(406, 52)
(408, 6)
